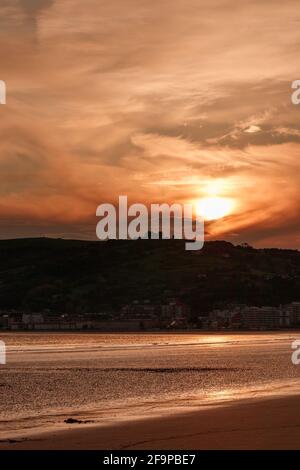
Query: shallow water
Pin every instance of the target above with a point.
(105, 377)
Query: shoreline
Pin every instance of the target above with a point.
(261, 423)
(154, 330)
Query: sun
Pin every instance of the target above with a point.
(213, 208)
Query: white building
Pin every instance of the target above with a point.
(262, 317)
(293, 311)
(32, 318)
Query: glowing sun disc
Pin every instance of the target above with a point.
(213, 208)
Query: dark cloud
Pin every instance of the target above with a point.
(34, 7)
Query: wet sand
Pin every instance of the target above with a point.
(257, 424)
(154, 391)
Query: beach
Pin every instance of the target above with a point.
(149, 391)
(264, 424)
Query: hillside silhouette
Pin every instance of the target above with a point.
(83, 276)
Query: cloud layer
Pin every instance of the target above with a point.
(164, 104)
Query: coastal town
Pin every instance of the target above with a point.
(148, 316)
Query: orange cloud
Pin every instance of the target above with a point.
(156, 103)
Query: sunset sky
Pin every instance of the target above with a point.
(167, 101)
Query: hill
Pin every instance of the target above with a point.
(82, 276)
